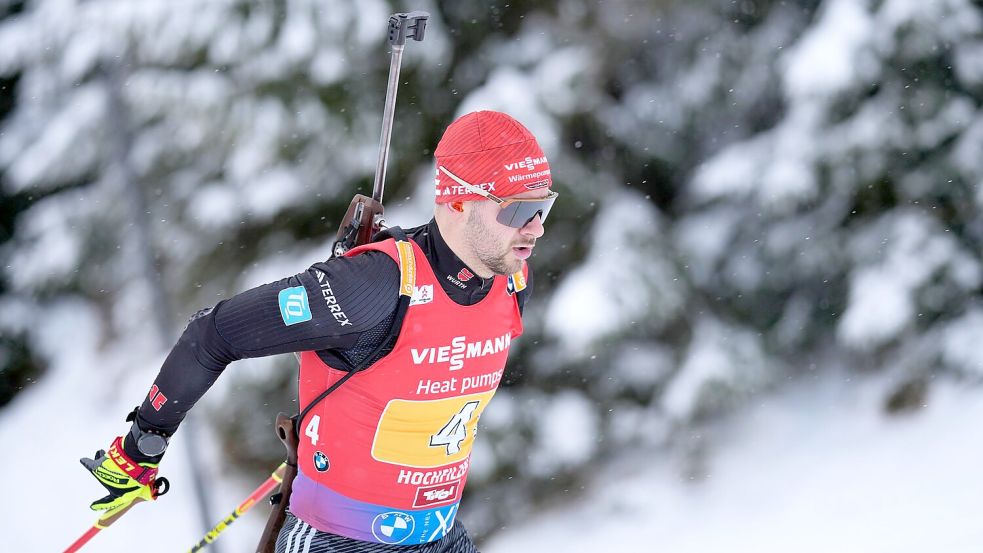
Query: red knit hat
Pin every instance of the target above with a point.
(490, 150)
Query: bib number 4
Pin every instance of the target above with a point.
(456, 430)
(311, 430)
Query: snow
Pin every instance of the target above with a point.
(969, 62)
(828, 58)
(76, 409)
(816, 469)
(63, 146)
(961, 342)
(626, 278)
(508, 90)
(558, 447)
(55, 246)
(719, 357)
(896, 258)
(732, 173)
(275, 189)
(558, 76)
(880, 307)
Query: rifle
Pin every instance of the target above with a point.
(363, 219)
(285, 431)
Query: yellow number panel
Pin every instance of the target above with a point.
(428, 433)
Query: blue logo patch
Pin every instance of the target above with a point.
(320, 461)
(393, 527)
(294, 307)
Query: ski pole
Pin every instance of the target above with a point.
(100, 524)
(259, 493)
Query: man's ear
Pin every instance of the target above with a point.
(456, 206)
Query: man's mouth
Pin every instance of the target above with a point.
(522, 252)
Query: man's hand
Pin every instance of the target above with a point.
(126, 480)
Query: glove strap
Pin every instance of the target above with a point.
(143, 474)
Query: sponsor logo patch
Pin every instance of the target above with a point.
(393, 527)
(537, 185)
(427, 496)
(445, 520)
(517, 283)
(294, 306)
(529, 164)
(455, 282)
(460, 349)
(459, 190)
(321, 462)
(433, 477)
(464, 275)
(422, 294)
(329, 299)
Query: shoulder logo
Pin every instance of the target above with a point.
(294, 305)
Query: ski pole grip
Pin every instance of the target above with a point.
(411, 25)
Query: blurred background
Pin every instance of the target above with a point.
(757, 318)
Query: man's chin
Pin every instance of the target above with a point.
(506, 266)
(511, 265)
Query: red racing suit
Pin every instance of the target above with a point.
(385, 457)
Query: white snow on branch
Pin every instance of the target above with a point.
(627, 278)
(831, 56)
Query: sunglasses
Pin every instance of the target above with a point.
(513, 212)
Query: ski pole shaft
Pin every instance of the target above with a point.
(100, 524)
(264, 489)
(84, 539)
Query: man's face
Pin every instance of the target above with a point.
(498, 247)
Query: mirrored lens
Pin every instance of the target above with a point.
(518, 214)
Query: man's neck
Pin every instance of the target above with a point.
(454, 239)
(458, 280)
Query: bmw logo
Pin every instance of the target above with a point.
(321, 462)
(393, 527)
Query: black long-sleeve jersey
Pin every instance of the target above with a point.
(352, 304)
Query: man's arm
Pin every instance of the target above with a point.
(323, 308)
(344, 297)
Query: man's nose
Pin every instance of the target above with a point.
(534, 227)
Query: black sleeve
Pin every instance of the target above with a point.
(326, 307)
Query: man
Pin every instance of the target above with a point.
(420, 321)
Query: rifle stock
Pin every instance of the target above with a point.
(288, 435)
(362, 220)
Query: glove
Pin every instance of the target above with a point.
(126, 480)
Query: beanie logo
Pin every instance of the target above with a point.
(458, 190)
(529, 164)
(538, 185)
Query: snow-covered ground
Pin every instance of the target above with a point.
(818, 468)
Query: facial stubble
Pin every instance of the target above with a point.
(496, 257)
